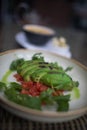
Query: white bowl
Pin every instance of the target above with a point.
(77, 107)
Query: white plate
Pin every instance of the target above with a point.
(22, 40)
(77, 107)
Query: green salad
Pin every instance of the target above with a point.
(39, 83)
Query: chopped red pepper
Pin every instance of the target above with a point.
(34, 88)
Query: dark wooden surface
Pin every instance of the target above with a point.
(9, 121)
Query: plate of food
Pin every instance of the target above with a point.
(42, 86)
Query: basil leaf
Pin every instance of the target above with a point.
(15, 86)
(21, 99)
(63, 106)
(63, 102)
(47, 97)
(2, 86)
(37, 56)
(15, 63)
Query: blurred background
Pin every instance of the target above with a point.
(67, 17)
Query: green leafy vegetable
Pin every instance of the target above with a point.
(2, 86)
(13, 94)
(15, 63)
(63, 106)
(47, 97)
(15, 86)
(63, 102)
(38, 56)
